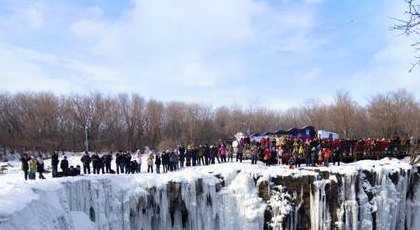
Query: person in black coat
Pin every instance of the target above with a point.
(273, 156)
(157, 162)
(215, 152)
(101, 164)
(181, 156)
(119, 162)
(86, 163)
(54, 164)
(95, 163)
(64, 165)
(239, 154)
(165, 161)
(40, 166)
(108, 160)
(133, 166)
(207, 154)
(77, 171)
(194, 155)
(127, 161)
(25, 166)
(72, 171)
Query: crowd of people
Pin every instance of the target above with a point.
(270, 150)
(32, 165)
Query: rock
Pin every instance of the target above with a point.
(199, 187)
(264, 190)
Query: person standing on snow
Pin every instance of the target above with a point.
(32, 169)
(222, 151)
(194, 155)
(118, 162)
(40, 166)
(299, 155)
(254, 155)
(158, 162)
(95, 163)
(216, 153)
(239, 154)
(108, 160)
(200, 155)
(127, 160)
(307, 153)
(320, 153)
(313, 156)
(181, 156)
(101, 163)
(207, 160)
(25, 165)
(173, 161)
(150, 163)
(267, 142)
(230, 153)
(139, 161)
(273, 156)
(86, 163)
(54, 164)
(327, 155)
(188, 156)
(267, 156)
(280, 155)
(64, 165)
(337, 156)
(165, 161)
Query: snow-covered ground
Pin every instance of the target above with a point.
(363, 195)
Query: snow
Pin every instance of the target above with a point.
(81, 221)
(194, 198)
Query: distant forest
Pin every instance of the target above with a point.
(44, 121)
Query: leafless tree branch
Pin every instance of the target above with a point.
(410, 26)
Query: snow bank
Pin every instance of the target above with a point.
(365, 195)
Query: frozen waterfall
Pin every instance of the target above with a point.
(367, 195)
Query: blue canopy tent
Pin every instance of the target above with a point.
(306, 132)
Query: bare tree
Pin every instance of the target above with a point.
(46, 122)
(410, 26)
(154, 122)
(316, 113)
(343, 114)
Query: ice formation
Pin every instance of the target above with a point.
(365, 195)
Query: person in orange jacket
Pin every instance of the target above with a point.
(327, 155)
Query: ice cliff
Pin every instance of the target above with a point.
(365, 195)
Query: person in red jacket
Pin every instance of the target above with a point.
(267, 157)
(384, 146)
(267, 142)
(287, 158)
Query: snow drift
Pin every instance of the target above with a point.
(365, 195)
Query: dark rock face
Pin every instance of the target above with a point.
(264, 190)
(221, 183)
(174, 195)
(199, 187)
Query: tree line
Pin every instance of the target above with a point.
(43, 121)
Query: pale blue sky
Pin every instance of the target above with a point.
(276, 53)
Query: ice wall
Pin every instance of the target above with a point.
(374, 197)
(364, 197)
